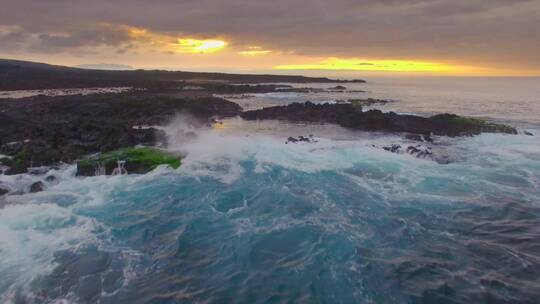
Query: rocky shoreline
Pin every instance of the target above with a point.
(352, 116)
(42, 131)
(47, 130)
(25, 75)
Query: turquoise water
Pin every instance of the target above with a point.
(250, 219)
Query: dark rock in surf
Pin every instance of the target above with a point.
(37, 187)
(3, 191)
(412, 149)
(51, 179)
(301, 138)
(291, 140)
(394, 148)
(419, 151)
(528, 133)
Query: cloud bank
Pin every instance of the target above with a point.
(495, 33)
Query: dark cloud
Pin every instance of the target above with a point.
(99, 36)
(11, 38)
(483, 31)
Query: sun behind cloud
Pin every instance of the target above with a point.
(174, 43)
(149, 48)
(191, 45)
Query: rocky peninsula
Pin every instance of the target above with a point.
(351, 115)
(46, 130)
(42, 131)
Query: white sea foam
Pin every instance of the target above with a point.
(218, 153)
(30, 234)
(34, 226)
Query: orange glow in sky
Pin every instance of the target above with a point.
(178, 50)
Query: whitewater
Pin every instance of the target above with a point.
(250, 218)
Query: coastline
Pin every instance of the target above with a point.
(46, 130)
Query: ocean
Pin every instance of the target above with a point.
(249, 218)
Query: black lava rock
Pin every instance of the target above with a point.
(3, 191)
(51, 179)
(43, 131)
(348, 115)
(37, 187)
(394, 148)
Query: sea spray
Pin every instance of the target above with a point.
(340, 220)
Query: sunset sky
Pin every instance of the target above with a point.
(349, 37)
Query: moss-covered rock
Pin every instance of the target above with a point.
(137, 160)
(460, 125)
(16, 164)
(28, 153)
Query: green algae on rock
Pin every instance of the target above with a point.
(133, 160)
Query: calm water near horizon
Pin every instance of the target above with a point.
(504, 98)
(248, 218)
(501, 98)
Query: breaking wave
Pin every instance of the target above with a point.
(249, 218)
